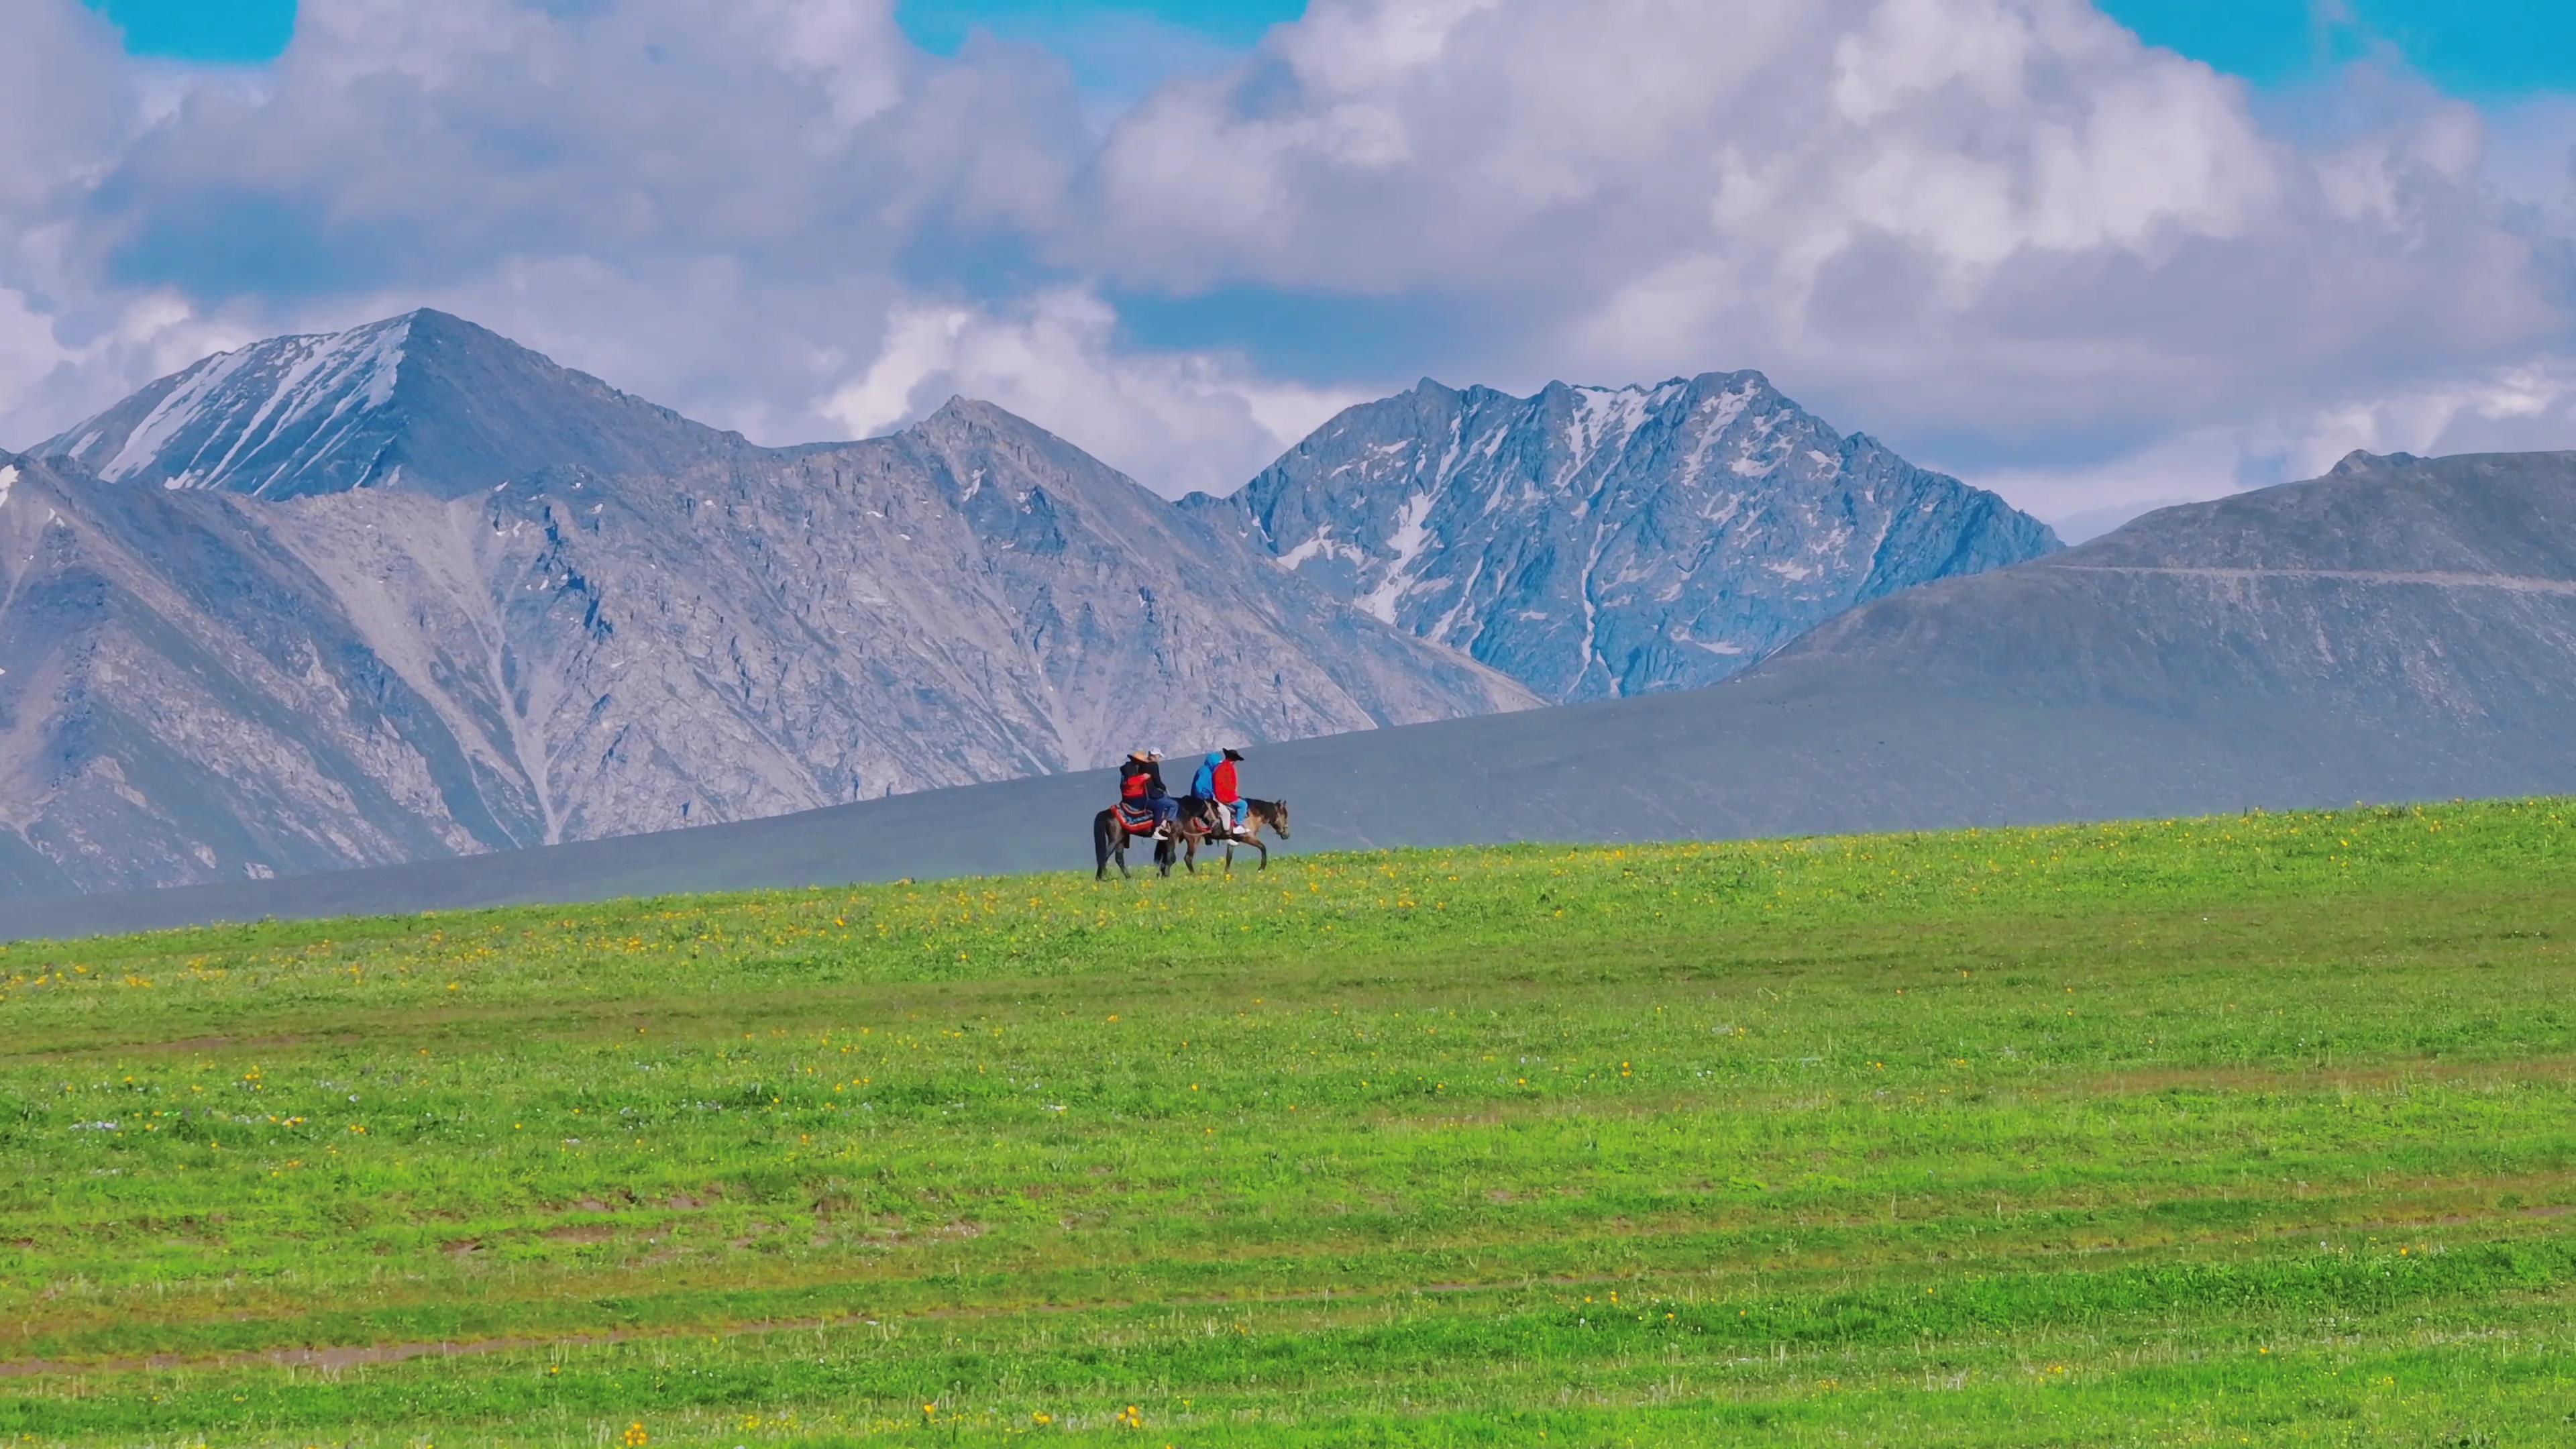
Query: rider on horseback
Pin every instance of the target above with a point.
(1215, 783)
(1141, 790)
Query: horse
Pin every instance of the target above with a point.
(1205, 822)
(1109, 837)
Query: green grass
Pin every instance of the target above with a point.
(2256, 1130)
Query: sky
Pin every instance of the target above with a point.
(2478, 48)
(2096, 256)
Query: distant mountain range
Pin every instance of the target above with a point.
(1593, 542)
(412, 590)
(2400, 630)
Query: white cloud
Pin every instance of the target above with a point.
(2531, 157)
(46, 380)
(66, 102)
(2002, 233)
(2510, 409)
(29, 352)
(1175, 422)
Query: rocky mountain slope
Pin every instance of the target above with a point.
(413, 591)
(1594, 542)
(2400, 630)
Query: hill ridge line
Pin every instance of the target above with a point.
(2512, 583)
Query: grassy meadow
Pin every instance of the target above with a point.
(2251, 1130)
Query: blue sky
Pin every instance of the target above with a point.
(2482, 49)
(230, 31)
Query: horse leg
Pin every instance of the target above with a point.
(1108, 843)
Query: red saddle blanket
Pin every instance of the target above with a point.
(1138, 820)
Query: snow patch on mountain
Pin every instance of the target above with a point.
(174, 414)
(1408, 541)
(246, 401)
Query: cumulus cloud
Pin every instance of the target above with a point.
(1992, 223)
(2510, 409)
(2002, 233)
(1188, 421)
(65, 98)
(406, 144)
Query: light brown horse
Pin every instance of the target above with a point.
(1206, 823)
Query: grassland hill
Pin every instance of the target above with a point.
(2202, 1133)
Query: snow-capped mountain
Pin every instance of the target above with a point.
(425, 401)
(1608, 541)
(414, 591)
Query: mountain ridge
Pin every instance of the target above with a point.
(1596, 541)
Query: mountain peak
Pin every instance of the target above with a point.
(1756, 382)
(2361, 460)
(1600, 540)
(426, 322)
(962, 415)
(963, 409)
(426, 402)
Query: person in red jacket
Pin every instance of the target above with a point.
(1215, 782)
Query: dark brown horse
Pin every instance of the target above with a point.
(1109, 836)
(1206, 823)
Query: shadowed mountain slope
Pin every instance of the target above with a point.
(2402, 629)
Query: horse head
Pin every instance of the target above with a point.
(1279, 817)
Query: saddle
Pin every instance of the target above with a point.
(1135, 819)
